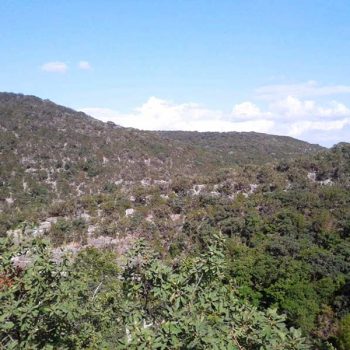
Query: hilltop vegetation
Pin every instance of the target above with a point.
(244, 147)
(52, 151)
(176, 240)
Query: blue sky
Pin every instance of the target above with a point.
(272, 66)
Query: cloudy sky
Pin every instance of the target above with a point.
(280, 67)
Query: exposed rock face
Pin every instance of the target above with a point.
(129, 212)
(312, 176)
(119, 245)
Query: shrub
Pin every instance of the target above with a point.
(344, 333)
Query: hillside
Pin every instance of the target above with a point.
(52, 149)
(247, 223)
(244, 147)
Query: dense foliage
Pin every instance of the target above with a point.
(99, 193)
(49, 152)
(146, 304)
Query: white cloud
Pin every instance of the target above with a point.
(299, 128)
(158, 114)
(290, 116)
(84, 65)
(55, 67)
(294, 108)
(296, 117)
(248, 110)
(305, 90)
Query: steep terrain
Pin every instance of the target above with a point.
(50, 150)
(281, 207)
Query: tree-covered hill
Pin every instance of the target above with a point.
(177, 240)
(244, 147)
(69, 152)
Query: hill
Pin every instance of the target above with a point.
(54, 150)
(244, 147)
(245, 220)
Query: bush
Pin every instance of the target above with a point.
(93, 304)
(344, 333)
(45, 304)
